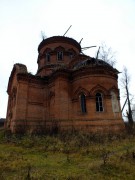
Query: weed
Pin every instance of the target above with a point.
(43, 157)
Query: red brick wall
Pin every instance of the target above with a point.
(40, 102)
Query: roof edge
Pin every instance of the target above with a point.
(59, 39)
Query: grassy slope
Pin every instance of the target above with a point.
(66, 157)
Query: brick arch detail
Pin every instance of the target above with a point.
(79, 91)
(72, 50)
(100, 89)
(47, 50)
(59, 48)
(114, 89)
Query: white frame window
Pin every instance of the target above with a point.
(99, 102)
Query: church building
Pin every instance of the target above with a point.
(70, 91)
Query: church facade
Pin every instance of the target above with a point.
(70, 91)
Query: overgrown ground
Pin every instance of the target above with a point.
(67, 156)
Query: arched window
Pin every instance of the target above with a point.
(83, 103)
(59, 55)
(71, 55)
(47, 57)
(99, 102)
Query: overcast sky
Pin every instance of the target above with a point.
(21, 23)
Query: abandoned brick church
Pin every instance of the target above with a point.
(69, 91)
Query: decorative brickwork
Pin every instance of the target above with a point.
(69, 92)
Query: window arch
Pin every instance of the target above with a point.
(47, 57)
(60, 55)
(71, 53)
(83, 103)
(99, 102)
(59, 52)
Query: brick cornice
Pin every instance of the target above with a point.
(32, 79)
(97, 70)
(64, 73)
(56, 39)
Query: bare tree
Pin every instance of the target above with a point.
(106, 54)
(125, 80)
(133, 112)
(43, 36)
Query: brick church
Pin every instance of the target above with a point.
(70, 91)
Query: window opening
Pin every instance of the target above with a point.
(60, 55)
(99, 102)
(83, 103)
(48, 57)
(71, 55)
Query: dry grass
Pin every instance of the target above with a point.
(67, 156)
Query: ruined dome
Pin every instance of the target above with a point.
(92, 62)
(59, 39)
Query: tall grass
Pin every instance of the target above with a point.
(67, 155)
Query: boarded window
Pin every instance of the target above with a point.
(115, 105)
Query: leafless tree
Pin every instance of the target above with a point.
(107, 54)
(43, 36)
(133, 112)
(125, 80)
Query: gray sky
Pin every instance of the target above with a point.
(21, 23)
